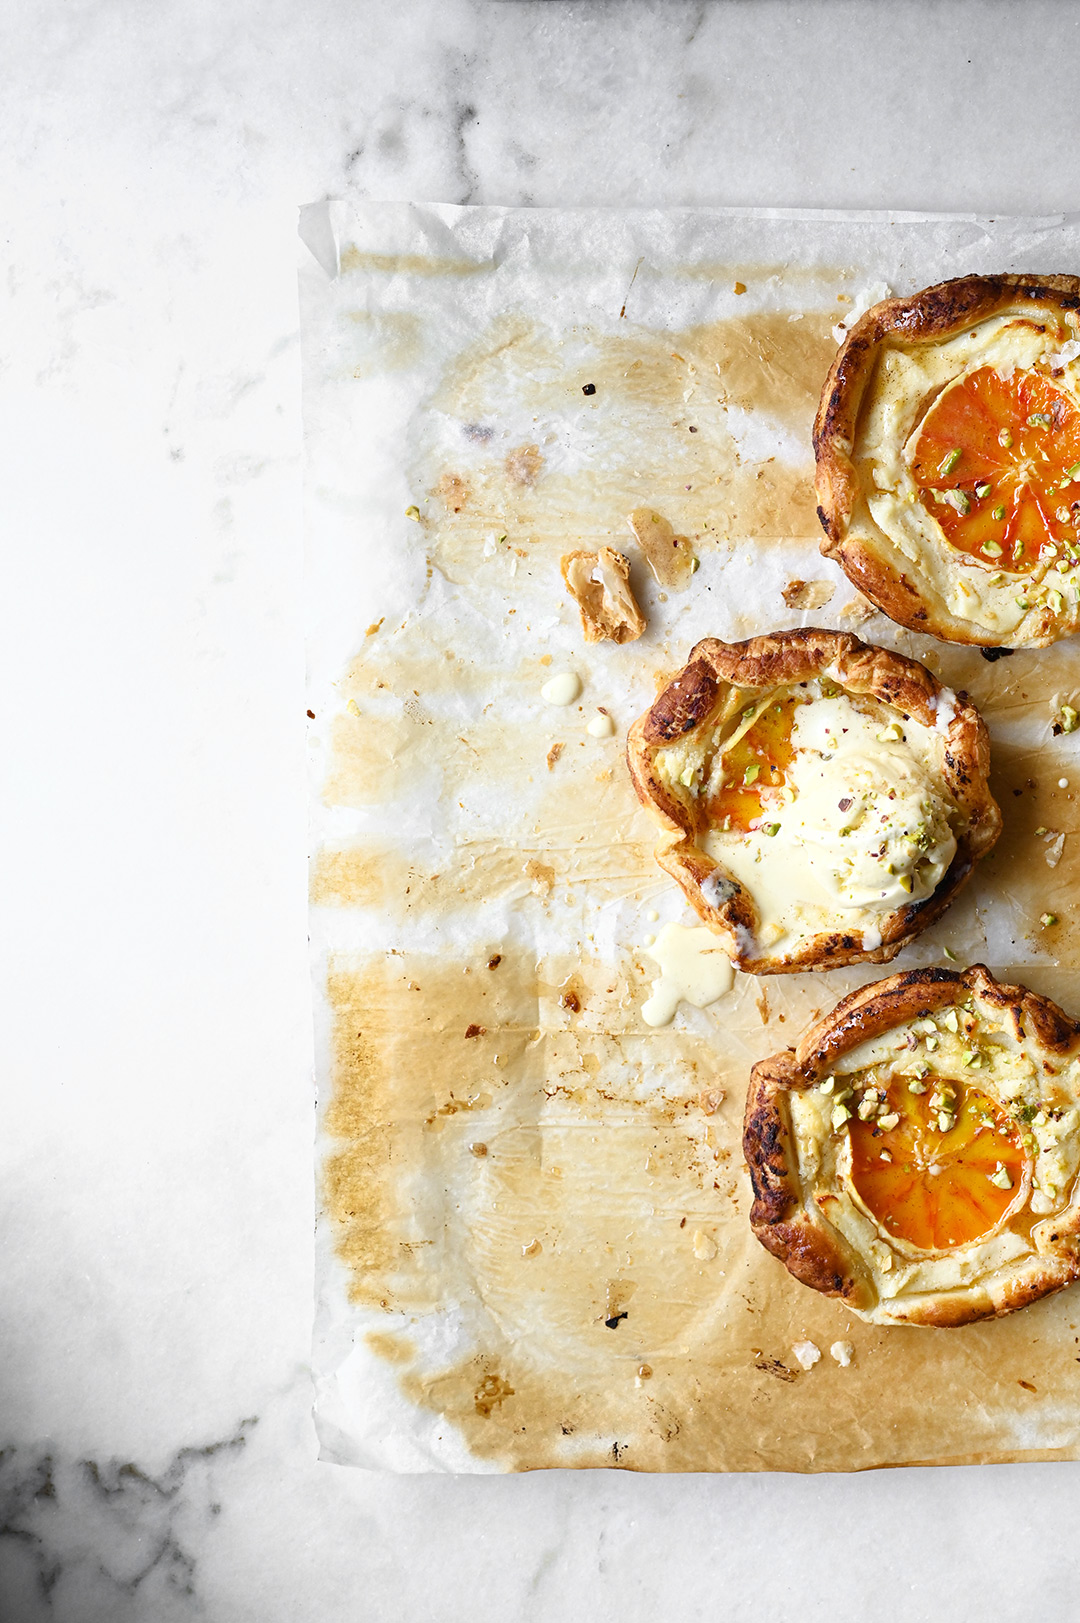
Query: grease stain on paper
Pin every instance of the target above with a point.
(682, 422)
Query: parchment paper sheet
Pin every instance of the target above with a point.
(533, 1247)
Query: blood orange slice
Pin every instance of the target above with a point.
(938, 1188)
(997, 462)
(755, 768)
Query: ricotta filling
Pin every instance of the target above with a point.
(906, 382)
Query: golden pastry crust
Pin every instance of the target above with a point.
(599, 583)
(932, 587)
(805, 1210)
(720, 677)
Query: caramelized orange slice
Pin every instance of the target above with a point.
(755, 768)
(995, 462)
(932, 1188)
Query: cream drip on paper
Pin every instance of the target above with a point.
(694, 968)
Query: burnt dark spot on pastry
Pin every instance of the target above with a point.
(993, 654)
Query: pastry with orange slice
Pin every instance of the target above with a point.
(821, 800)
(916, 1153)
(948, 459)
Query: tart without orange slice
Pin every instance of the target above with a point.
(948, 459)
(916, 1154)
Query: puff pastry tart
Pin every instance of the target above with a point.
(821, 800)
(916, 1153)
(948, 459)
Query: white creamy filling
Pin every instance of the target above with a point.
(863, 830)
(905, 382)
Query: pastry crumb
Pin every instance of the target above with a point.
(843, 1352)
(807, 1354)
(858, 610)
(807, 594)
(599, 583)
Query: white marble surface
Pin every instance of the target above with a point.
(157, 1458)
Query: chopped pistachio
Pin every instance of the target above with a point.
(949, 461)
(770, 829)
(1004, 437)
(1022, 603)
(982, 490)
(890, 734)
(945, 1122)
(867, 1108)
(997, 580)
(840, 1114)
(1048, 919)
(949, 1020)
(1039, 832)
(957, 499)
(998, 512)
(1056, 601)
(1073, 472)
(695, 564)
(1070, 720)
(950, 955)
(915, 1086)
(991, 549)
(890, 1121)
(1062, 515)
(1039, 419)
(413, 513)
(905, 882)
(827, 1085)
(751, 773)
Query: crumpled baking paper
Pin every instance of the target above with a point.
(533, 1247)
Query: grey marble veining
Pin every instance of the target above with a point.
(108, 1538)
(157, 1459)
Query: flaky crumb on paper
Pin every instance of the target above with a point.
(807, 1354)
(599, 583)
(808, 594)
(857, 611)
